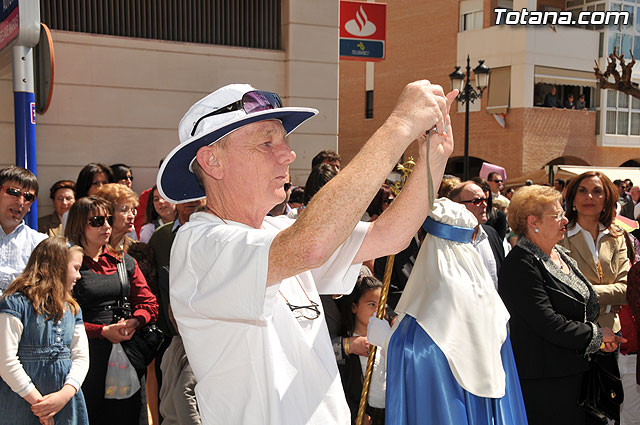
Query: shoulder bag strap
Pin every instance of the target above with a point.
(124, 282)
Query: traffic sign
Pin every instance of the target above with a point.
(19, 23)
(9, 23)
(44, 66)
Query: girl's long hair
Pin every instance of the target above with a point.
(363, 285)
(43, 279)
(150, 213)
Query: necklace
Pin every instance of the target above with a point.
(560, 263)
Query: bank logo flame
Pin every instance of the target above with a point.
(360, 26)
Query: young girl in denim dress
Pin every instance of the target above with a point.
(44, 355)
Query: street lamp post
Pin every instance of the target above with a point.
(468, 94)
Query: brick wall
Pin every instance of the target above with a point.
(419, 46)
(423, 45)
(552, 133)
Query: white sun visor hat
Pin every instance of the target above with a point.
(210, 119)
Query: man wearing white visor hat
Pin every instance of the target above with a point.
(245, 287)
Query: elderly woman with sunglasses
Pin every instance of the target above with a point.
(98, 292)
(553, 310)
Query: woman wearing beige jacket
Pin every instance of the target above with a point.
(596, 243)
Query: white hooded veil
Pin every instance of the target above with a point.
(452, 297)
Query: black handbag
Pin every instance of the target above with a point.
(601, 393)
(142, 348)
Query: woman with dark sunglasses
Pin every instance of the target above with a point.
(98, 292)
(122, 174)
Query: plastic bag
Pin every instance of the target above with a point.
(122, 380)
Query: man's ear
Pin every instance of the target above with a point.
(207, 158)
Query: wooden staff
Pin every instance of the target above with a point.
(406, 169)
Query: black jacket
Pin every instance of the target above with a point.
(548, 330)
(627, 210)
(496, 245)
(498, 220)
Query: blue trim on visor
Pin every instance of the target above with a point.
(178, 183)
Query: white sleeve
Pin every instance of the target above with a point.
(146, 231)
(79, 357)
(338, 275)
(222, 273)
(11, 369)
(65, 217)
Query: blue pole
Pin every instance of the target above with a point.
(24, 111)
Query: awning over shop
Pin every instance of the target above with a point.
(567, 172)
(499, 90)
(569, 77)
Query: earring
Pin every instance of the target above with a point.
(536, 230)
(573, 208)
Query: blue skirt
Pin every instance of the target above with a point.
(422, 390)
(48, 376)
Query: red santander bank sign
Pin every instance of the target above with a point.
(363, 30)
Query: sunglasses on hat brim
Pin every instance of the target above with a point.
(252, 101)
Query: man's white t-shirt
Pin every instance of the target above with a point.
(254, 362)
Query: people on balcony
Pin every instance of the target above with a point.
(551, 99)
(569, 103)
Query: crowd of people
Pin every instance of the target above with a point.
(266, 292)
(552, 100)
(65, 275)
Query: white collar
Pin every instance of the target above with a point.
(480, 235)
(577, 228)
(15, 230)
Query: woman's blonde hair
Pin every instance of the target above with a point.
(43, 279)
(447, 185)
(530, 200)
(115, 192)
